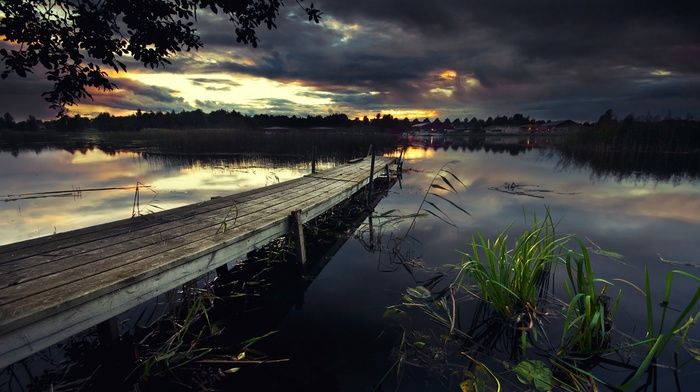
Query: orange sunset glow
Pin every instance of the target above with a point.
(360, 61)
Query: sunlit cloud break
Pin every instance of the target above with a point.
(450, 59)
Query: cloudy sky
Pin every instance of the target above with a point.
(547, 59)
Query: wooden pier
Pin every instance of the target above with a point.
(53, 287)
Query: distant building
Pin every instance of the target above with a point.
(566, 126)
(436, 126)
(510, 129)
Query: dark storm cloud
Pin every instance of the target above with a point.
(548, 59)
(133, 95)
(21, 97)
(561, 59)
(279, 106)
(159, 94)
(271, 106)
(210, 106)
(214, 84)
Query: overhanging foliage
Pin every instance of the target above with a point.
(74, 39)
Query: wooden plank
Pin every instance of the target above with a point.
(166, 229)
(18, 276)
(88, 262)
(59, 239)
(54, 287)
(72, 289)
(94, 247)
(177, 215)
(129, 226)
(147, 220)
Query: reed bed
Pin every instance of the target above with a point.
(552, 343)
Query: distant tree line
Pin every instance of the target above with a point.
(643, 148)
(649, 134)
(197, 119)
(30, 124)
(633, 130)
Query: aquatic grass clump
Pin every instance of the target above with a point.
(514, 315)
(513, 280)
(184, 337)
(588, 318)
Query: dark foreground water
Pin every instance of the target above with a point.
(333, 332)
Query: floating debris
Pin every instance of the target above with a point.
(679, 263)
(526, 190)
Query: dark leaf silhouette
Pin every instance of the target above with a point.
(59, 35)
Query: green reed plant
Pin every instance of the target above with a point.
(184, 344)
(223, 226)
(589, 315)
(512, 279)
(440, 186)
(680, 325)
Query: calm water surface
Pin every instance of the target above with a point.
(642, 220)
(337, 337)
(31, 211)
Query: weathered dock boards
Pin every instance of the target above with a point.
(54, 287)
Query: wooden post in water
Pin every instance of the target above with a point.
(371, 175)
(399, 168)
(108, 331)
(313, 159)
(298, 233)
(222, 270)
(372, 241)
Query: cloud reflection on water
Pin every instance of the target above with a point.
(172, 183)
(640, 220)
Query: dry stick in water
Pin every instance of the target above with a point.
(74, 192)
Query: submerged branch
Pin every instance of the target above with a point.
(75, 192)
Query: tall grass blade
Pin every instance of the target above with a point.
(452, 203)
(655, 349)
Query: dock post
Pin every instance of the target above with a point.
(399, 169)
(108, 331)
(313, 159)
(372, 241)
(222, 269)
(298, 233)
(371, 175)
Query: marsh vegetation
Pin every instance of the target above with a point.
(521, 334)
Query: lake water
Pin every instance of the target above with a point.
(337, 337)
(32, 181)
